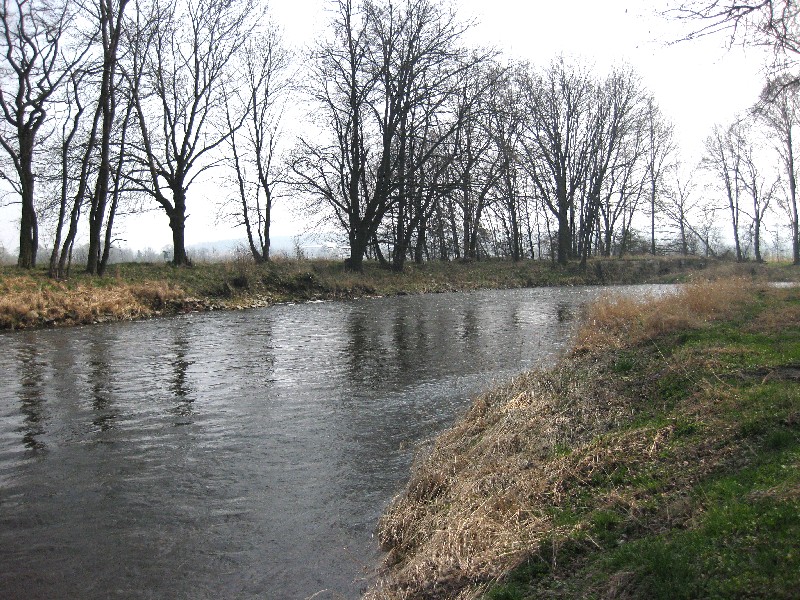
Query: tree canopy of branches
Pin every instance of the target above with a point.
(381, 82)
(771, 22)
(34, 64)
(180, 63)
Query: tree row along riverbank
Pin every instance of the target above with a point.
(29, 299)
(659, 459)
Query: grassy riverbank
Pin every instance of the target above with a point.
(660, 459)
(129, 291)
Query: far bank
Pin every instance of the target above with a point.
(29, 299)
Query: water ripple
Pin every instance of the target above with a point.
(238, 455)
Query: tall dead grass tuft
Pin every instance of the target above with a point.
(27, 303)
(616, 322)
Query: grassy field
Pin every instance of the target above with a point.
(660, 459)
(30, 299)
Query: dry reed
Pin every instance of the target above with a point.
(27, 303)
(615, 321)
(477, 504)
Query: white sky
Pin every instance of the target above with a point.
(697, 83)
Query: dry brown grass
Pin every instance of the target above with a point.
(477, 503)
(27, 303)
(614, 321)
(777, 320)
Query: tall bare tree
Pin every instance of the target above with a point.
(505, 121)
(383, 68)
(556, 143)
(108, 16)
(724, 159)
(779, 109)
(337, 172)
(179, 65)
(660, 148)
(474, 171)
(68, 208)
(254, 151)
(760, 188)
(35, 61)
(617, 117)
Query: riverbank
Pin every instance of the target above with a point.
(29, 299)
(660, 459)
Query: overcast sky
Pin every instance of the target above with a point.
(697, 83)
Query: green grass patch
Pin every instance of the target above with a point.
(744, 545)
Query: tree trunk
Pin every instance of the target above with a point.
(266, 242)
(359, 240)
(564, 241)
(177, 222)
(28, 230)
(419, 248)
(684, 243)
(653, 217)
(793, 199)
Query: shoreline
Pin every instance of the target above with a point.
(660, 459)
(30, 300)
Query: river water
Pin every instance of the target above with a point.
(239, 454)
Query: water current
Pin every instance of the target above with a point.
(240, 454)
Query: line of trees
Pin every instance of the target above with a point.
(417, 146)
(125, 97)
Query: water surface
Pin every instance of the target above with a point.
(239, 454)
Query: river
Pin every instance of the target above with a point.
(239, 454)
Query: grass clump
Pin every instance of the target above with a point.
(25, 302)
(659, 459)
(616, 322)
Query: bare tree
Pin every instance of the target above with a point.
(779, 109)
(679, 205)
(723, 158)
(70, 127)
(474, 170)
(614, 128)
(556, 143)
(661, 146)
(34, 64)
(506, 127)
(254, 152)
(108, 16)
(415, 48)
(622, 194)
(383, 69)
(337, 172)
(761, 190)
(182, 56)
